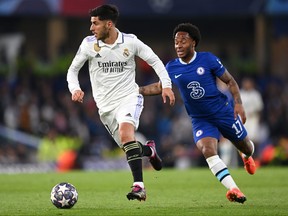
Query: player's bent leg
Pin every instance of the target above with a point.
(154, 159)
(235, 195)
(246, 149)
(249, 163)
(149, 150)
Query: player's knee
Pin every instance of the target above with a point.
(208, 151)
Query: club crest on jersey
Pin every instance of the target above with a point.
(96, 47)
(199, 133)
(200, 70)
(126, 52)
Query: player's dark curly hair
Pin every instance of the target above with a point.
(106, 12)
(192, 30)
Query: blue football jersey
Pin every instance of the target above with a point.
(197, 84)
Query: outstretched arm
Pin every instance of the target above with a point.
(151, 89)
(234, 89)
(156, 89)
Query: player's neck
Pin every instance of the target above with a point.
(112, 37)
(187, 59)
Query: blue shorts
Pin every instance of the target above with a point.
(222, 123)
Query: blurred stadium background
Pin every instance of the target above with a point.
(42, 130)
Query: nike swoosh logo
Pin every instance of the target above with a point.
(176, 76)
(240, 135)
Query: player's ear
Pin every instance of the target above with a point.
(109, 23)
(193, 43)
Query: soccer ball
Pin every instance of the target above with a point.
(64, 195)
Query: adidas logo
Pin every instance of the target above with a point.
(98, 55)
(128, 115)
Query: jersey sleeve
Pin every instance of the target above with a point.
(77, 63)
(216, 65)
(147, 54)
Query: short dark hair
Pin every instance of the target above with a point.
(106, 12)
(192, 30)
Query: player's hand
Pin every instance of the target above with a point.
(239, 110)
(78, 96)
(167, 92)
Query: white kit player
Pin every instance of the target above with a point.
(111, 57)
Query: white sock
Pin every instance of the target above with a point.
(140, 184)
(220, 170)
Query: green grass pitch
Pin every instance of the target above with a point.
(169, 192)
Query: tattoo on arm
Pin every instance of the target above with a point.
(151, 89)
(237, 101)
(233, 86)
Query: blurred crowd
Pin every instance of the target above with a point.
(41, 106)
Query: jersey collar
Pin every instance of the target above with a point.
(119, 40)
(193, 58)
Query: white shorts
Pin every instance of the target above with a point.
(129, 110)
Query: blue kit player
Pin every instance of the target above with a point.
(212, 114)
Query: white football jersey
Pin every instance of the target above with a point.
(112, 68)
